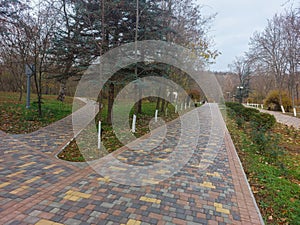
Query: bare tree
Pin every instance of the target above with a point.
(268, 48)
(292, 43)
(241, 67)
(39, 30)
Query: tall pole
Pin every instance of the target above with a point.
(135, 48)
(103, 43)
(28, 71)
(136, 29)
(28, 92)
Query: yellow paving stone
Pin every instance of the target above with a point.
(69, 192)
(117, 168)
(47, 222)
(200, 166)
(218, 205)
(152, 200)
(215, 174)
(49, 167)
(16, 191)
(76, 195)
(159, 159)
(208, 185)
(25, 156)
(81, 195)
(122, 158)
(27, 164)
(139, 151)
(197, 166)
(72, 198)
(163, 171)
(44, 222)
(105, 179)
(4, 184)
(16, 173)
(167, 150)
(150, 181)
(133, 222)
(219, 208)
(10, 151)
(32, 180)
(58, 171)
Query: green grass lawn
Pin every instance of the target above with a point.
(109, 139)
(16, 119)
(274, 179)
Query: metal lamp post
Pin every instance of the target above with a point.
(240, 93)
(29, 68)
(228, 95)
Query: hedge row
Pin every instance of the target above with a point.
(258, 120)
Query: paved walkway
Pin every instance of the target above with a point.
(211, 188)
(284, 119)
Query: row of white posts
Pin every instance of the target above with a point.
(255, 105)
(262, 106)
(133, 125)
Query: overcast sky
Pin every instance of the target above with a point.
(236, 22)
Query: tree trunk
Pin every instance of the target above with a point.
(38, 87)
(280, 101)
(21, 93)
(100, 100)
(157, 102)
(140, 102)
(62, 90)
(111, 93)
(158, 99)
(297, 92)
(163, 103)
(40, 94)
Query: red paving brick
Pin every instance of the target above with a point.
(192, 195)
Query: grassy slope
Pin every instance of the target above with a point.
(276, 185)
(109, 139)
(16, 119)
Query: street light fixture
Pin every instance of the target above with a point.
(228, 96)
(240, 93)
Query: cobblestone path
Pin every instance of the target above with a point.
(209, 188)
(285, 119)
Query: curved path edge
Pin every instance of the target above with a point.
(36, 188)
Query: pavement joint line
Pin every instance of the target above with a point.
(83, 192)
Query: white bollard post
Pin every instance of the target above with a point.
(189, 104)
(176, 108)
(133, 124)
(295, 112)
(282, 109)
(99, 135)
(181, 107)
(166, 111)
(262, 106)
(156, 114)
(185, 105)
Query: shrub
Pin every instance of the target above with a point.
(248, 113)
(262, 121)
(258, 125)
(236, 107)
(272, 101)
